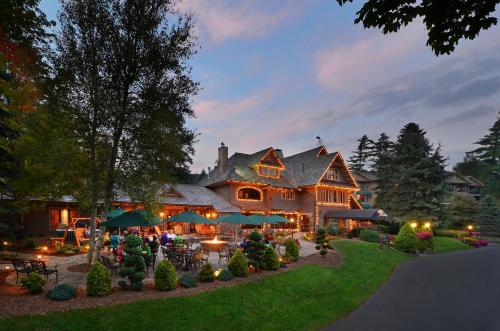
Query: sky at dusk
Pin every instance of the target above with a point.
(280, 73)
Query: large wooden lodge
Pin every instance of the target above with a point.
(310, 188)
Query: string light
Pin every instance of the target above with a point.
(261, 194)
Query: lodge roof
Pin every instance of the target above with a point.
(302, 169)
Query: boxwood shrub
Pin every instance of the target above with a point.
(292, 250)
(34, 283)
(271, 260)
(206, 273)
(98, 281)
(165, 277)
(369, 235)
(406, 240)
(238, 264)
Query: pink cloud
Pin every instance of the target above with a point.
(370, 59)
(221, 21)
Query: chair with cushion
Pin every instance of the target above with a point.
(21, 267)
(41, 268)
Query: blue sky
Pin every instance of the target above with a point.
(280, 73)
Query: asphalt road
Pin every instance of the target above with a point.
(457, 291)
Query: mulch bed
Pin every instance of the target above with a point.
(16, 302)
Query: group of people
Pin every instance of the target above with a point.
(169, 237)
(150, 245)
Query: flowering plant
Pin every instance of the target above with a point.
(424, 235)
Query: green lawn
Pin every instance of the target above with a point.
(307, 298)
(445, 244)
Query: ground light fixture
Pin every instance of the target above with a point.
(39, 257)
(427, 225)
(470, 227)
(413, 224)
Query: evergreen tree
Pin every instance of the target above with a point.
(361, 155)
(483, 163)
(413, 187)
(488, 219)
(463, 209)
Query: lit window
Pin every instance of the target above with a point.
(268, 171)
(332, 196)
(249, 193)
(333, 174)
(288, 195)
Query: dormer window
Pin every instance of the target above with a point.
(333, 174)
(267, 171)
(249, 194)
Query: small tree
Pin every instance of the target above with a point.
(98, 281)
(271, 260)
(165, 277)
(489, 217)
(238, 264)
(292, 250)
(320, 236)
(406, 240)
(255, 250)
(133, 262)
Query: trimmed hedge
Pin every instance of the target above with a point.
(271, 259)
(369, 235)
(238, 264)
(34, 283)
(292, 250)
(98, 281)
(406, 240)
(165, 277)
(62, 292)
(206, 273)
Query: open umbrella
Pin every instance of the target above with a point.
(189, 217)
(133, 218)
(115, 212)
(274, 219)
(261, 219)
(237, 218)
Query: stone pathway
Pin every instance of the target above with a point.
(78, 279)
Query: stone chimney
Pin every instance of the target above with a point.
(279, 152)
(222, 160)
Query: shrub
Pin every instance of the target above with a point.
(29, 244)
(187, 281)
(450, 233)
(133, 263)
(255, 236)
(123, 284)
(255, 254)
(406, 240)
(206, 273)
(323, 252)
(238, 264)
(165, 277)
(369, 235)
(382, 228)
(292, 250)
(353, 233)
(225, 275)
(333, 229)
(34, 283)
(98, 281)
(62, 292)
(320, 235)
(271, 260)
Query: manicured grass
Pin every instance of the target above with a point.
(445, 244)
(307, 298)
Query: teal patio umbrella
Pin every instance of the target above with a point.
(115, 212)
(133, 218)
(261, 219)
(189, 217)
(237, 218)
(275, 219)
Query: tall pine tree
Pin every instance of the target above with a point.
(414, 186)
(361, 155)
(488, 219)
(483, 163)
(382, 166)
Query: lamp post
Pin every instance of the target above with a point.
(293, 222)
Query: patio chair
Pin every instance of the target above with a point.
(41, 268)
(21, 267)
(224, 254)
(112, 267)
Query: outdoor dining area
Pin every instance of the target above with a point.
(187, 252)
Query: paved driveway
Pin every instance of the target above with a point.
(452, 291)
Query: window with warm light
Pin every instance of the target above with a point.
(249, 193)
(332, 196)
(61, 216)
(288, 195)
(333, 174)
(267, 171)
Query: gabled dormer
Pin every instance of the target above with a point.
(269, 165)
(338, 172)
(170, 192)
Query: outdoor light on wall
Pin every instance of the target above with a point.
(6, 243)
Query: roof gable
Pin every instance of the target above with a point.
(342, 164)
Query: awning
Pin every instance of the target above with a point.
(358, 214)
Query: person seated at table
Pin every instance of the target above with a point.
(178, 240)
(244, 244)
(146, 249)
(171, 235)
(154, 244)
(164, 239)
